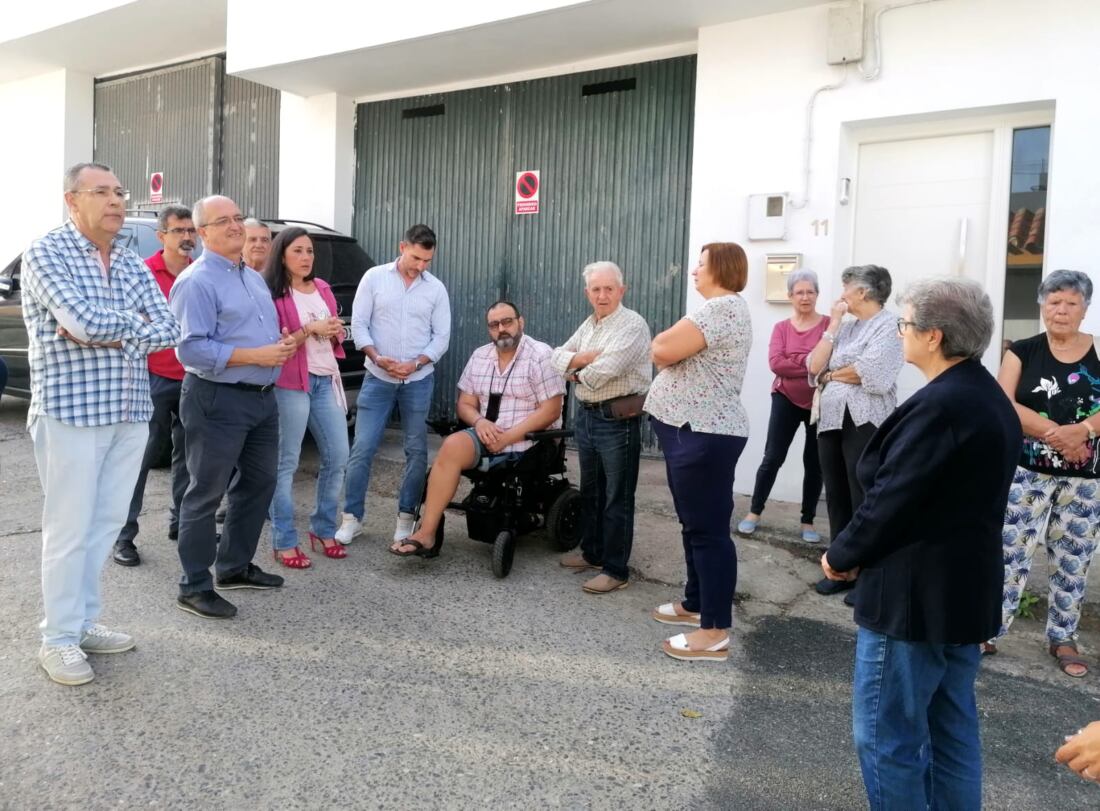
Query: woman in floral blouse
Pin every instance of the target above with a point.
(695, 406)
(1053, 379)
(855, 365)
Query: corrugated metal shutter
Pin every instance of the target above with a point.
(250, 146)
(166, 121)
(207, 132)
(614, 151)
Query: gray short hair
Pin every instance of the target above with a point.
(72, 176)
(872, 278)
(252, 222)
(958, 308)
(592, 269)
(802, 275)
(166, 213)
(1073, 280)
(199, 209)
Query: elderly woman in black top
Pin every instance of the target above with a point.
(926, 542)
(1053, 379)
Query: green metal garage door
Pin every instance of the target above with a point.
(613, 148)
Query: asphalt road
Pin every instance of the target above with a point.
(379, 682)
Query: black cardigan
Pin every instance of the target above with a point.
(928, 533)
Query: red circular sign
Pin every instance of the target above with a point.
(527, 185)
(155, 182)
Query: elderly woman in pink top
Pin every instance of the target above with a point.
(309, 393)
(792, 340)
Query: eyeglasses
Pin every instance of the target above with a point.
(902, 324)
(218, 223)
(103, 192)
(504, 322)
(179, 232)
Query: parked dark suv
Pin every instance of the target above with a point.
(339, 260)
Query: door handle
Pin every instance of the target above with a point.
(961, 269)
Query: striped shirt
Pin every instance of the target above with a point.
(622, 367)
(524, 384)
(87, 386)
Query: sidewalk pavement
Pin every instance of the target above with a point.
(774, 567)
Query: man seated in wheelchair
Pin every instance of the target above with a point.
(507, 390)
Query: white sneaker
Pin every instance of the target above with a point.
(405, 523)
(65, 664)
(97, 639)
(349, 528)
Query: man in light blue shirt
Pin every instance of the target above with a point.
(231, 349)
(401, 320)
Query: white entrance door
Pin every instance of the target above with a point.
(922, 209)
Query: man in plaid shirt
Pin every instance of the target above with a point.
(93, 315)
(608, 358)
(507, 390)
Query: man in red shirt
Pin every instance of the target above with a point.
(177, 233)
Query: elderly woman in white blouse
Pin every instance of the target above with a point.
(855, 366)
(696, 411)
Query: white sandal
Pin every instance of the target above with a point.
(667, 614)
(677, 648)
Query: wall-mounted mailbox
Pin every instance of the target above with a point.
(778, 267)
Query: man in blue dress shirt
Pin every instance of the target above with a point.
(231, 349)
(401, 321)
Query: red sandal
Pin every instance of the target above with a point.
(297, 560)
(336, 550)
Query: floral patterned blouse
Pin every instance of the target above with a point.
(704, 390)
(1062, 392)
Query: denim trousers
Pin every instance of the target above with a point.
(608, 452)
(700, 469)
(915, 724)
(165, 426)
(87, 476)
(375, 405)
(319, 410)
(782, 427)
(227, 428)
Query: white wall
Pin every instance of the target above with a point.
(52, 131)
(317, 159)
(755, 78)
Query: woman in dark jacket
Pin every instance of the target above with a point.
(926, 543)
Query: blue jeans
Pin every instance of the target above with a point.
(319, 409)
(87, 476)
(915, 723)
(700, 468)
(608, 452)
(376, 401)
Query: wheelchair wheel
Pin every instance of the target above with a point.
(563, 519)
(504, 549)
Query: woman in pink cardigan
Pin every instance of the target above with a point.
(309, 393)
(792, 340)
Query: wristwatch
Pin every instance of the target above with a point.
(419, 366)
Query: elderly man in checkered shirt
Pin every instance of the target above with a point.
(608, 358)
(93, 313)
(507, 389)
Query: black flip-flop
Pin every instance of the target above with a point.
(408, 542)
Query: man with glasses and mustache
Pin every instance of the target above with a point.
(231, 349)
(93, 315)
(177, 233)
(507, 389)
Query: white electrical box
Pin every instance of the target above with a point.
(844, 37)
(768, 216)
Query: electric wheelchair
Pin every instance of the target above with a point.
(513, 498)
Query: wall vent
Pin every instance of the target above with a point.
(614, 86)
(423, 112)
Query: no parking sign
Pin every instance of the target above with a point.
(156, 187)
(527, 192)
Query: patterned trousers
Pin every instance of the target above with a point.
(1064, 512)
